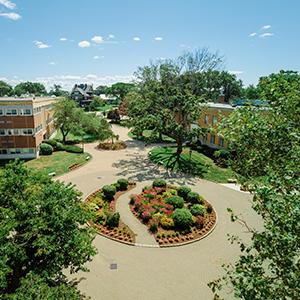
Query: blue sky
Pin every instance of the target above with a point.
(101, 42)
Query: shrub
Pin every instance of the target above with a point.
(182, 218)
(167, 222)
(169, 193)
(183, 191)
(100, 217)
(132, 200)
(112, 220)
(73, 149)
(145, 188)
(176, 201)
(194, 198)
(123, 183)
(59, 147)
(98, 201)
(109, 191)
(46, 149)
(209, 209)
(117, 186)
(145, 216)
(149, 196)
(199, 222)
(159, 183)
(198, 210)
(153, 226)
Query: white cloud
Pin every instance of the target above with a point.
(84, 44)
(267, 34)
(111, 36)
(63, 39)
(253, 34)
(97, 39)
(136, 38)
(11, 16)
(41, 45)
(266, 27)
(52, 63)
(98, 57)
(158, 38)
(8, 4)
(236, 72)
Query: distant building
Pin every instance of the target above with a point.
(24, 124)
(214, 112)
(82, 93)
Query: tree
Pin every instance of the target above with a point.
(34, 88)
(269, 265)
(5, 89)
(101, 89)
(96, 103)
(66, 117)
(251, 92)
(168, 98)
(120, 89)
(57, 91)
(42, 234)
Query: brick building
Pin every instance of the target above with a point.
(24, 124)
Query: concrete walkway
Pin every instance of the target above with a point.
(157, 273)
(143, 237)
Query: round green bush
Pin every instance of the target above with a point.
(176, 201)
(183, 191)
(52, 143)
(159, 183)
(109, 191)
(182, 218)
(113, 220)
(59, 147)
(46, 149)
(198, 210)
(117, 186)
(209, 209)
(123, 183)
(73, 149)
(194, 198)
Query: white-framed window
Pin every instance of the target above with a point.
(212, 139)
(206, 119)
(2, 132)
(27, 131)
(3, 151)
(1, 112)
(27, 112)
(214, 120)
(11, 112)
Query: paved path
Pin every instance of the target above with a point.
(157, 273)
(143, 237)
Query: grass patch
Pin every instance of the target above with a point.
(150, 137)
(75, 139)
(198, 164)
(59, 162)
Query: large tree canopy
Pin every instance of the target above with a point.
(5, 89)
(267, 147)
(120, 89)
(34, 88)
(42, 234)
(168, 96)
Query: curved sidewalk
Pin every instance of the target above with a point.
(143, 237)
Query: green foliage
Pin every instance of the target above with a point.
(46, 149)
(5, 89)
(57, 146)
(112, 220)
(167, 222)
(195, 198)
(267, 150)
(96, 103)
(159, 183)
(183, 191)
(73, 149)
(120, 89)
(32, 88)
(251, 92)
(123, 182)
(176, 201)
(57, 91)
(182, 218)
(42, 233)
(109, 191)
(198, 210)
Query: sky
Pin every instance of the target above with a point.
(105, 41)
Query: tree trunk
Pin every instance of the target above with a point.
(64, 135)
(179, 146)
(160, 138)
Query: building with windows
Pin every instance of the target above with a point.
(24, 124)
(83, 94)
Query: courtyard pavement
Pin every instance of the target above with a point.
(156, 273)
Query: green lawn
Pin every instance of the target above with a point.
(75, 139)
(59, 162)
(106, 107)
(199, 164)
(149, 137)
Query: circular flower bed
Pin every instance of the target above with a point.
(119, 145)
(102, 206)
(173, 214)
